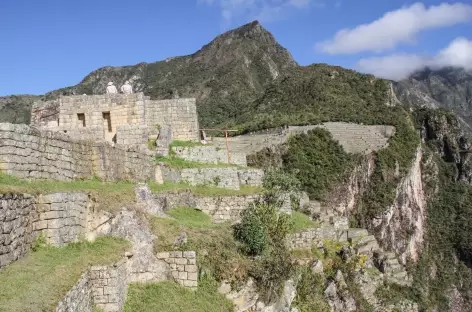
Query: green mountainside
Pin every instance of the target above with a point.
(244, 79)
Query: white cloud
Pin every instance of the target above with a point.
(398, 66)
(395, 27)
(262, 10)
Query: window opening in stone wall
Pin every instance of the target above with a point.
(81, 117)
(107, 118)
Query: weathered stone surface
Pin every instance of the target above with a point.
(39, 155)
(79, 298)
(210, 155)
(144, 266)
(182, 266)
(17, 232)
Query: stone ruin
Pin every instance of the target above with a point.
(128, 119)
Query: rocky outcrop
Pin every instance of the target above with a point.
(143, 266)
(401, 227)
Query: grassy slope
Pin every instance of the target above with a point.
(170, 297)
(38, 281)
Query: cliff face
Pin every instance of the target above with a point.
(401, 227)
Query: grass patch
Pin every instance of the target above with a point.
(38, 281)
(217, 250)
(170, 297)
(109, 195)
(301, 221)
(180, 143)
(180, 163)
(204, 190)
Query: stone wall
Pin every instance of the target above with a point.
(16, 226)
(219, 208)
(104, 113)
(79, 298)
(105, 287)
(251, 176)
(109, 286)
(180, 114)
(133, 134)
(224, 177)
(307, 238)
(62, 217)
(183, 267)
(31, 154)
(209, 154)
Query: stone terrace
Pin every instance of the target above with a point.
(354, 138)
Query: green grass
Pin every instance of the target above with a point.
(179, 143)
(38, 281)
(301, 222)
(205, 190)
(180, 163)
(191, 217)
(109, 195)
(170, 297)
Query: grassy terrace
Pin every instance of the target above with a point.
(111, 195)
(40, 280)
(179, 163)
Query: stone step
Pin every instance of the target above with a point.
(368, 249)
(366, 240)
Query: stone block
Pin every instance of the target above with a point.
(191, 268)
(192, 276)
(189, 254)
(163, 255)
(183, 275)
(181, 261)
(188, 283)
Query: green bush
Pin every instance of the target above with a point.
(252, 232)
(271, 272)
(317, 161)
(262, 226)
(310, 296)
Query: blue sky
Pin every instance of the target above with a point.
(50, 44)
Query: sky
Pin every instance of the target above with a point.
(49, 44)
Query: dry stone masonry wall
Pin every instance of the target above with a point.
(62, 217)
(179, 114)
(105, 287)
(223, 177)
(133, 134)
(101, 115)
(354, 138)
(183, 267)
(79, 298)
(17, 213)
(31, 154)
(209, 154)
(109, 286)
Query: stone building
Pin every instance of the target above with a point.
(127, 119)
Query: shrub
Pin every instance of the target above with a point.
(271, 272)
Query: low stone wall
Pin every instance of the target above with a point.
(79, 298)
(183, 267)
(306, 239)
(226, 177)
(105, 287)
(251, 176)
(109, 286)
(209, 154)
(17, 212)
(34, 155)
(62, 217)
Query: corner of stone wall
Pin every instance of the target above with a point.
(183, 267)
(109, 285)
